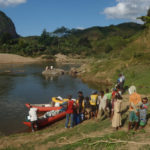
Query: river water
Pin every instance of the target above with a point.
(20, 84)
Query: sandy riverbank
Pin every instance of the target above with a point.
(12, 58)
(59, 58)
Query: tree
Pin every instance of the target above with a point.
(146, 19)
(61, 30)
(45, 38)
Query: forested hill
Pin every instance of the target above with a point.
(7, 26)
(94, 41)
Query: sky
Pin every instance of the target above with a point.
(32, 16)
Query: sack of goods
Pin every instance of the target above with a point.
(51, 113)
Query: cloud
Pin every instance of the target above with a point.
(80, 28)
(6, 3)
(127, 9)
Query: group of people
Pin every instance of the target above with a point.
(108, 104)
(103, 105)
(99, 105)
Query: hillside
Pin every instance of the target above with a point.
(7, 26)
(132, 60)
(91, 42)
(96, 40)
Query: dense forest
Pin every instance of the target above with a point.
(94, 41)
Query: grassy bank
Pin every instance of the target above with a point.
(132, 60)
(91, 135)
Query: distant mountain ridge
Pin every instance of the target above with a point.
(7, 26)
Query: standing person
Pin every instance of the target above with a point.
(143, 112)
(116, 114)
(93, 103)
(69, 112)
(79, 116)
(80, 104)
(120, 82)
(109, 97)
(33, 118)
(123, 79)
(102, 105)
(47, 68)
(135, 102)
(87, 108)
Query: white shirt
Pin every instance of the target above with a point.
(33, 114)
(123, 78)
(102, 101)
(120, 80)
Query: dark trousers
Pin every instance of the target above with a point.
(34, 125)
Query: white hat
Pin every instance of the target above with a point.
(132, 89)
(74, 99)
(59, 97)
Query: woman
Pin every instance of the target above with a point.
(116, 116)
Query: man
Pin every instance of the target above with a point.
(33, 118)
(135, 102)
(80, 101)
(80, 105)
(87, 108)
(69, 112)
(93, 103)
(109, 97)
(102, 105)
(121, 81)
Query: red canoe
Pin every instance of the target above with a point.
(42, 107)
(46, 121)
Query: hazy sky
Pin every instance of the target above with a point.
(32, 16)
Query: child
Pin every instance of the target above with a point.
(143, 112)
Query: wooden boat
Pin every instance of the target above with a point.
(46, 121)
(43, 107)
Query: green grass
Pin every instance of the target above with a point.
(97, 142)
(79, 130)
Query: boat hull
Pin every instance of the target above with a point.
(47, 121)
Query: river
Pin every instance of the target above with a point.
(20, 84)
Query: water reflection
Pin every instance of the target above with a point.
(29, 86)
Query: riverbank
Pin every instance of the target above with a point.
(14, 59)
(6, 58)
(91, 134)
